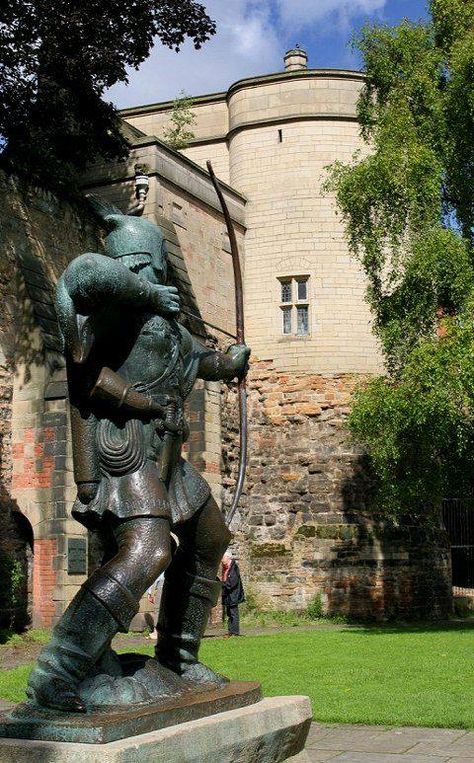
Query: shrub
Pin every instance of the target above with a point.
(314, 610)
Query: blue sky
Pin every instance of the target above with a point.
(252, 36)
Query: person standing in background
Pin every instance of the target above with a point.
(232, 593)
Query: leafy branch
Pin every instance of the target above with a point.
(408, 211)
(178, 134)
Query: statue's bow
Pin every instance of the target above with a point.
(239, 318)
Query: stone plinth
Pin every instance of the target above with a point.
(109, 724)
(269, 731)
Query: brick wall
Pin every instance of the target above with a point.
(306, 527)
(44, 582)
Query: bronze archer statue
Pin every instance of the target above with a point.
(130, 367)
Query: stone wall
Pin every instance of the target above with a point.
(12, 547)
(272, 137)
(306, 528)
(38, 236)
(293, 230)
(210, 129)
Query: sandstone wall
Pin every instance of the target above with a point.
(283, 136)
(39, 236)
(210, 112)
(309, 93)
(210, 129)
(217, 152)
(306, 528)
(12, 548)
(272, 137)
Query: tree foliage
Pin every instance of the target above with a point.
(57, 60)
(178, 133)
(408, 208)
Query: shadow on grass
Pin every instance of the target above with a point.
(5, 636)
(406, 628)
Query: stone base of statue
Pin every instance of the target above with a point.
(230, 724)
(107, 724)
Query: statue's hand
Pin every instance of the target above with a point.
(87, 491)
(240, 354)
(165, 300)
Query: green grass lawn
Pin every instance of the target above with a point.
(415, 676)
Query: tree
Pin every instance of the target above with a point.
(178, 134)
(408, 210)
(57, 60)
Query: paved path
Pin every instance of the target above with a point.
(380, 744)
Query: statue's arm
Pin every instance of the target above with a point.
(87, 473)
(94, 279)
(111, 392)
(212, 365)
(223, 366)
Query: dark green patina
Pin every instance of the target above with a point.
(104, 726)
(130, 367)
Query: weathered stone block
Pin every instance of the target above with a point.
(259, 550)
(271, 731)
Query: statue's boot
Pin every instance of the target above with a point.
(186, 603)
(102, 607)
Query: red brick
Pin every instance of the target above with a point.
(44, 581)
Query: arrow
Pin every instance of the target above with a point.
(206, 323)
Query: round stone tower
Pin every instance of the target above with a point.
(284, 129)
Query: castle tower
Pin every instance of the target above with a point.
(303, 529)
(305, 306)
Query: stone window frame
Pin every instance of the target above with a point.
(291, 306)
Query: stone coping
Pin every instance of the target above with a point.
(284, 119)
(202, 100)
(172, 166)
(266, 79)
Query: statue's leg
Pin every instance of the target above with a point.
(190, 590)
(105, 604)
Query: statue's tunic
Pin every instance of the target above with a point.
(142, 471)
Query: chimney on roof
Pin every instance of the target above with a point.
(295, 59)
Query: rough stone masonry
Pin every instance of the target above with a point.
(306, 528)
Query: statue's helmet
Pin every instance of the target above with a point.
(135, 239)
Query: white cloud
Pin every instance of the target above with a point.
(246, 43)
(252, 36)
(298, 14)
